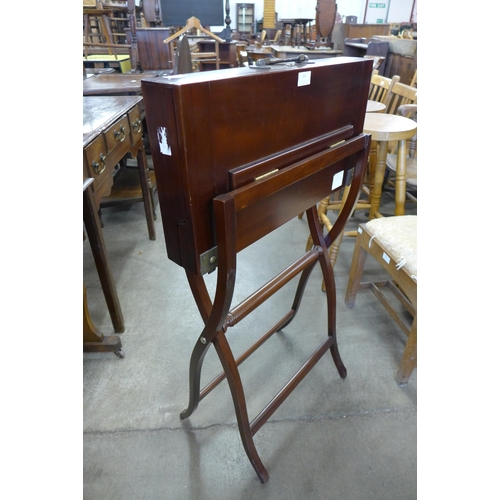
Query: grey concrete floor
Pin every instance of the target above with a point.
(332, 438)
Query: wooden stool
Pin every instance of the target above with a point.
(392, 241)
(384, 128)
(375, 107)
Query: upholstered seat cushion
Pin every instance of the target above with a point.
(398, 236)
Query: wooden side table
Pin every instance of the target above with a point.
(384, 128)
(111, 130)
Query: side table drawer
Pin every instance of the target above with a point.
(95, 157)
(135, 124)
(117, 134)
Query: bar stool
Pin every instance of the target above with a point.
(384, 128)
(375, 107)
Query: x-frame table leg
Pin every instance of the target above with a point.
(227, 359)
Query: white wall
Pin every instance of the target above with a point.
(399, 10)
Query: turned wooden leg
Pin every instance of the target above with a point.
(400, 183)
(378, 179)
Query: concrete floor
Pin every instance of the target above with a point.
(350, 439)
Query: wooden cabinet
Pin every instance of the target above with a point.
(401, 65)
(245, 17)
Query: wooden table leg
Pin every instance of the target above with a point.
(378, 178)
(98, 247)
(146, 192)
(93, 339)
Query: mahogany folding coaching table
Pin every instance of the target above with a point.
(237, 153)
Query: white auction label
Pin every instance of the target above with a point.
(304, 78)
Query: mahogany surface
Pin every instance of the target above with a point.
(218, 121)
(115, 83)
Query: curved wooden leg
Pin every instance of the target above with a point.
(333, 253)
(299, 293)
(233, 377)
(195, 365)
(213, 315)
(329, 281)
(202, 299)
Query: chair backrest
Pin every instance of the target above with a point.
(380, 87)
(410, 111)
(398, 95)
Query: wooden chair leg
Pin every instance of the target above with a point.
(409, 359)
(357, 266)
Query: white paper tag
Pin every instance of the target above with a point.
(386, 258)
(161, 133)
(304, 78)
(337, 180)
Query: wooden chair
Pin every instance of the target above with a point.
(381, 86)
(392, 242)
(398, 95)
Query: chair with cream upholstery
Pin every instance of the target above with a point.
(392, 242)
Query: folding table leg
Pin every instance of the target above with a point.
(233, 378)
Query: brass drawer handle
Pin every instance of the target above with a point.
(100, 166)
(119, 135)
(137, 125)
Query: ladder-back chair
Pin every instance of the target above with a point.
(398, 95)
(380, 86)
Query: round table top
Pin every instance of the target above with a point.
(384, 127)
(375, 106)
